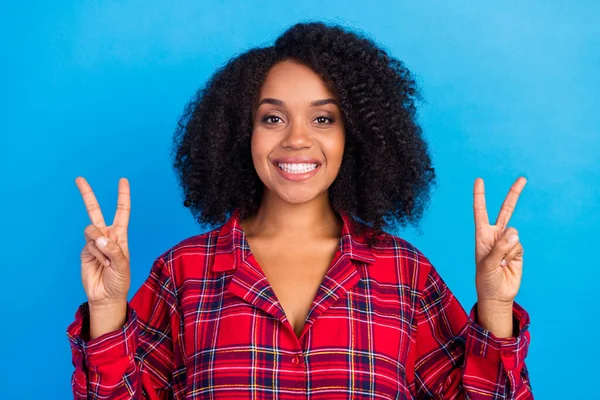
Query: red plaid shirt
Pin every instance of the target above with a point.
(207, 324)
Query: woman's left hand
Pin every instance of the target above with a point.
(498, 250)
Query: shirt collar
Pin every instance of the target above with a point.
(232, 247)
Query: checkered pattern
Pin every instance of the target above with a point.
(383, 325)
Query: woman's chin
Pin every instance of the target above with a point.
(297, 197)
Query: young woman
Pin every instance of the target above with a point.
(301, 154)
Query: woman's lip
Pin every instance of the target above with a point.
(297, 177)
(296, 160)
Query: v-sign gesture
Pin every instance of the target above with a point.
(105, 263)
(498, 251)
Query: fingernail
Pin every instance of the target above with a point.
(101, 241)
(513, 239)
(503, 262)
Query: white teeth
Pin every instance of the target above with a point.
(297, 168)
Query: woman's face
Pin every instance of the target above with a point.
(298, 136)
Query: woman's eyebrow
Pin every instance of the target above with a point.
(316, 103)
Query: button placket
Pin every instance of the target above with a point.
(509, 360)
(297, 360)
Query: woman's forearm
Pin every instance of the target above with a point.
(107, 318)
(498, 319)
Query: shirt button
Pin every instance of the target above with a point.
(295, 360)
(507, 354)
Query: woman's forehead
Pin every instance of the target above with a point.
(293, 82)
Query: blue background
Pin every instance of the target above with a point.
(95, 89)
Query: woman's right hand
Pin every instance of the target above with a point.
(105, 270)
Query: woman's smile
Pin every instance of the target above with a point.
(297, 171)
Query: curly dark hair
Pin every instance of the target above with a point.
(386, 173)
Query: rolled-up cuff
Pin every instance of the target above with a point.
(510, 351)
(106, 348)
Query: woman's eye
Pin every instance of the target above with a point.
(274, 119)
(322, 119)
(268, 118)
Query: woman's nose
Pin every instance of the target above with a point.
(297, 136)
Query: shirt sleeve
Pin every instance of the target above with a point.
(455, 358)
(136, 361)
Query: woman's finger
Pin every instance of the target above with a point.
(502, 247)
(479, 208)
(91, 203)
(93, 250)
(123, 205)
(113, 251)
(510, 202)
(92, 232)
(517, 250)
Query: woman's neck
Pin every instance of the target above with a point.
(278, 218)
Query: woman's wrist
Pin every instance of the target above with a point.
(107, 318)
(497, 319)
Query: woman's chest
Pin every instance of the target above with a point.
(294, 280)
(355, 344)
